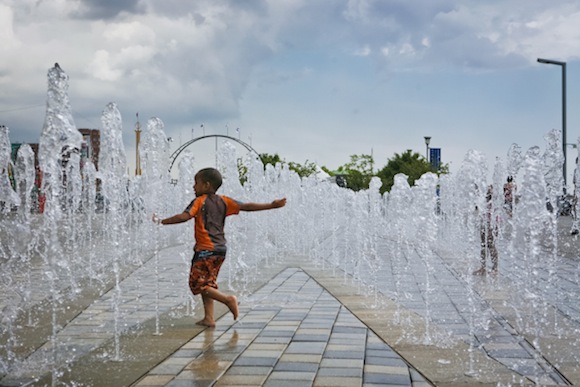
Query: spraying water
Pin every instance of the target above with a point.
(112, 167)
(155, 154)
(418, 245)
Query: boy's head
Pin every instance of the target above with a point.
(207, 180)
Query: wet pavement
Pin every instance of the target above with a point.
(304, 323)
(294, 333)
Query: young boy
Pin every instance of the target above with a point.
(210, 211)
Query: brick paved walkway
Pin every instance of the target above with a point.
(293, 334)
(306, 325)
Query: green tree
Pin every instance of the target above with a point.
(358, 171)
(325, 169)
(266, 158)
(303, 170)
(242, 171)
(411, 164)
(271, 159)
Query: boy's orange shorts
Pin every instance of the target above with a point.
(205, 267)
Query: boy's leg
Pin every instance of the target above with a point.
(230, 301)
(208, 319)
(202, 279)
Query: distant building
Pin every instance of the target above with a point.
(91, 146)
(37, 197)
(16, 146)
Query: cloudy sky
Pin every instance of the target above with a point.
(315, 80)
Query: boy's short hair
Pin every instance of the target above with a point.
(212, 176)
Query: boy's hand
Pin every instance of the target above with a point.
(156, 219)
(279, 203)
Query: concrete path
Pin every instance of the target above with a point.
(303, 323)
(293, 334)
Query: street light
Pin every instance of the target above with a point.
(563, 65)
(427, 141)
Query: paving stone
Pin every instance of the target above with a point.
(292, 375)
(287, 383)
(188, 383)
(154, 380)
(273, 339)
(348, 329)
(303, 337)
(510, 353)
(381, 353)
(300, 358)
(276, 333)
(342, 363)
(332, 381)
(383, 369)
(385, 361)
(344, 371)
(345, 347)
(166, 369)
(307, 337)
(243, 370)
(266, 347)
(241, 380)
(388, 379)
(296, 366)
(343, 354)
(306, 347)
(262, 353)
(255, 361)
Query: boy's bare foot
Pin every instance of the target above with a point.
(206, 323)
(232, 304)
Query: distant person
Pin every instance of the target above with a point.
(210, 211)
(488, 232)
(508, 193)
(574, 203)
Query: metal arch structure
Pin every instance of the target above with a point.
(178, 151)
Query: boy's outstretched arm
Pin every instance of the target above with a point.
(263, 206)
(179, 218)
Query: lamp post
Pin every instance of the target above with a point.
(137, 141)
(427, 141)
(563, 65)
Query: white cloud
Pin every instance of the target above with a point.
(7, 37)
(363, 51)
(551, 33)
(133, 31)
(193, 61)
(407, 49)
(45, 10)
(101, 67)
(356, 10)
